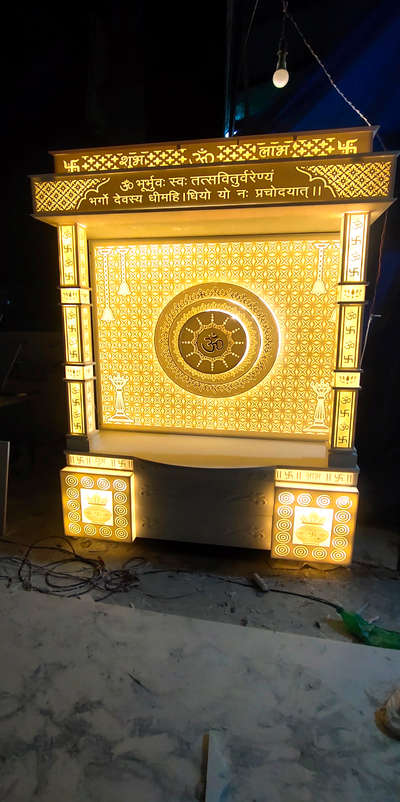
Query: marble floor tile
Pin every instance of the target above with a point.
(101, 703)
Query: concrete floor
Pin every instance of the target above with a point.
(204, 582)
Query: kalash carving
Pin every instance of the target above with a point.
(313, 531)
(96, 510)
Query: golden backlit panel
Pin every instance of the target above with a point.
(72, 335)
(356, 230)
(216, 339)
(295, 277)
(345, 407)
(200, 186)
(351, 293)
(98, 504)
(86, 328)
(76, 407)
(314, 523)
(67, 256)
(351, 378)
(90, 412)
(97, 461)
(315, 476)
(349, 336)
(74, 295)
(83, 267)
(247, 148)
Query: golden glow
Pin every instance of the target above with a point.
(248, 148)
(342, 378)
(351, 293)
(86, 329)
(74, 295)
(314, 523)
(98, 504)
(95, 461)
(296, 277)
(72, 334)
(304, 475)
(349, 335)
(67, 256)
(90, 411)
(343, 434)
(356, 230)
(216, 340)
(79, 372)
(351, 297)
(76, 408)
(83, 267)
(205, 185)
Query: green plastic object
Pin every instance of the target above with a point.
(369, 633)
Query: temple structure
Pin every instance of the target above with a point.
(212, 296)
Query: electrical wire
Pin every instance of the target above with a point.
(372, 315)
(286, 13)
(56, 581)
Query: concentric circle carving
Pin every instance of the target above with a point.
(286, 498)
(284, 525)
(75, 529)
(338, 555)
(304, 499)
(216, 340)
(87, 481)
(341, 529)
(89, 529)
(282, 550)
(319, 553)
(282, 537)
(103, 483)
(119, 484)
(300, 551)
(285, 511)
(343, 501)
(340, 543)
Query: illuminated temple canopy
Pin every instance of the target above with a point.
(226, 295)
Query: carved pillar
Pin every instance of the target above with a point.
(75, 302)
(351, 300)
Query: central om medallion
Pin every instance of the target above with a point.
(212, 341)
(216, 340)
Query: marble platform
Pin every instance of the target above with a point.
(102, 703)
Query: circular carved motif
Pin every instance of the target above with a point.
(319, 554)
(338, 555)
(282, 537)
(304, 499)
(283, 525)
(300, 551)
(343, 501)
(286, 498)
(216, 340)
(282, 550)
(212, 342)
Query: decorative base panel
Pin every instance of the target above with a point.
(314, 523)
(98, 504)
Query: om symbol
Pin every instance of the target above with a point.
(212, 343)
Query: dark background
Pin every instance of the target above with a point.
(149, 72)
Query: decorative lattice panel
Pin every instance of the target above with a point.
(296, 278)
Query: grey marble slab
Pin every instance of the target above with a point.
(102, 703)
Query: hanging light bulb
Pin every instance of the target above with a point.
(281, 75)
